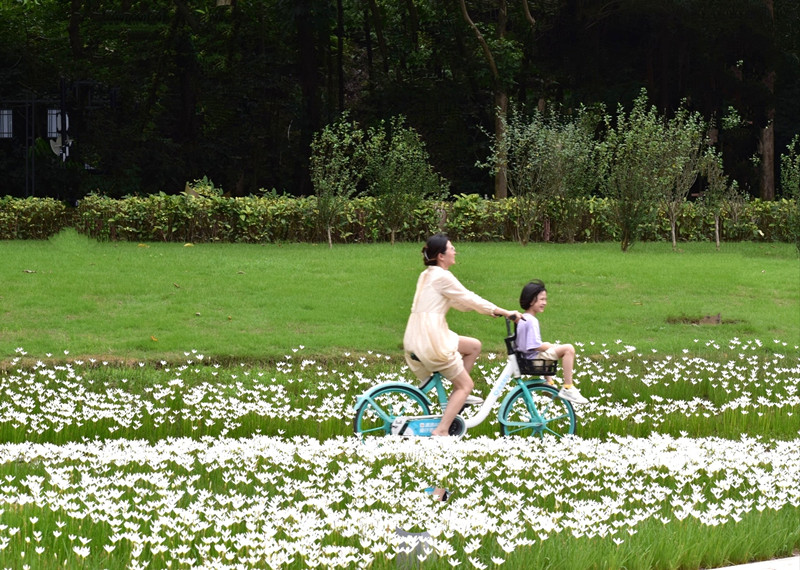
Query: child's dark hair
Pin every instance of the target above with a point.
(529, 293)
(435, 245)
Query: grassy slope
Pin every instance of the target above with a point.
(128, 300)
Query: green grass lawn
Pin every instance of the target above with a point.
(255, 302)
(221, 439)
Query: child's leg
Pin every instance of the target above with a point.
(566, 353)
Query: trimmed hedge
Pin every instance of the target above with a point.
(32, 218)
(197, 219)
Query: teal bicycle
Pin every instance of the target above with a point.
(532, 408)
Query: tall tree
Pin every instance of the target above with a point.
(499, 80)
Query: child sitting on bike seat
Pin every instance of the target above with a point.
(533, 300)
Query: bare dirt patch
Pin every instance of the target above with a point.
(704, 320)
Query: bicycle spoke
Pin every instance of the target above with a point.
(534, 410)
(379, 408)
(375, 429)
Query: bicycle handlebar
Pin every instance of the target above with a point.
(508, 325)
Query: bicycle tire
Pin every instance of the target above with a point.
(555, 416)
(374, 416)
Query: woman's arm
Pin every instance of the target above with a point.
(500, 312)
(461, 298)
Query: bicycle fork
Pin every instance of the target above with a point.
(533, 410)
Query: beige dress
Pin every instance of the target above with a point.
(427, 335)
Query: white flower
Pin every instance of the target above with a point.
(477, 563)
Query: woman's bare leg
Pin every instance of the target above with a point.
(470, 349)
(462, 386)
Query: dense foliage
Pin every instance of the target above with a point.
(548, 158)
(790, 180)
(158, 93)
(206, 216)
(32, 218)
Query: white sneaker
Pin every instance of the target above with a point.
(572, 395)
(473, 401)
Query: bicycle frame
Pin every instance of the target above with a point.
(509, 372)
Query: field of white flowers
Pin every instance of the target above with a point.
(678, 462)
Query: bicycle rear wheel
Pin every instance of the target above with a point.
(378, 408)
(544, 413)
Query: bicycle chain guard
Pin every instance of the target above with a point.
(423, 426)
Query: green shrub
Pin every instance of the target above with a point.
(472, 218)
(647, 165)
(193, 217)
(718, 191)
(683, 152)
(32, 218)
(399, 173)
(630, 167)
(338, 160)
(790, 186)
(549, 161)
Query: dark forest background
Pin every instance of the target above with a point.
(159, 93)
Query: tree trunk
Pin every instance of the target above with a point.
(716, 229)
(186, 64)
(157, 76)
(413, 23)
(500, 112)
(310, 84)
(368, 48)
(378, 23)
(501, 108)
(308, 64)
(766, 143)
(766, 146)
(500, 94)
(674, 235)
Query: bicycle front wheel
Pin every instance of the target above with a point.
(379, 407)
(536, 410)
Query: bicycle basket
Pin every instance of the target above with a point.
(537, 366)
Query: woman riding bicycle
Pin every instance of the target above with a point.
(430, 346)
